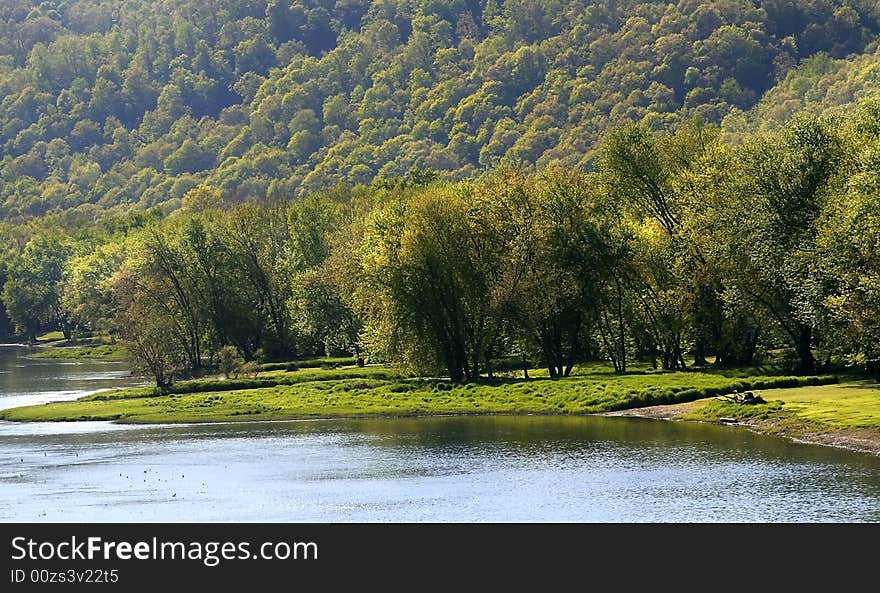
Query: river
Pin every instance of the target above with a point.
(471, 469)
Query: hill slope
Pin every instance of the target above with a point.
(111, 105)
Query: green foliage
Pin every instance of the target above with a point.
(442, 186)
(230, 361)
(30, 292)
(416, 259)
(134, 106)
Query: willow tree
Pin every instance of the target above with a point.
(653, 177)
(779, 191)
(432, 263)
(557, 261)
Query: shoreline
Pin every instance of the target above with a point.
(826, 410)
(858, 440)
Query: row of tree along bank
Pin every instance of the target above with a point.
(676, 248)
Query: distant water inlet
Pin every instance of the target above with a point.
(25, 381)
(492, 468)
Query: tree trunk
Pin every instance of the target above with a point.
(807, 364)
(750, 345)
(700, 351)
(622, 353)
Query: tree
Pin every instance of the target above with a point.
(230, 361)
(257, 237)
(651, 176)
(431, 264)
(844, 297)
(283, 22)
(31, 291)
(87, 287)
(780, 190)
(322, 315)
(150, 336)
(165, 277)
(549, 287)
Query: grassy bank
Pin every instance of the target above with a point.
(376, 390)
(54, 345)
(846, 406)
(845, 414)
(311, 363)
(109, 352)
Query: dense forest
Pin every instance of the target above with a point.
(444, 184)
(109, 105)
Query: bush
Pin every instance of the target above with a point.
(249, 369)
(231, 361)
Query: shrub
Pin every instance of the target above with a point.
(231, 361)
(250, 369)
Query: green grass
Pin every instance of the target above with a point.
(853, 405)
(98, 352)
(262, 381)
(376, 390)
(310, 363)
(51, 337)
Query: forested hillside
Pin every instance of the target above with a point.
(109, 104)
(820, 84)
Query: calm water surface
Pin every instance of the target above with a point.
(426, 469)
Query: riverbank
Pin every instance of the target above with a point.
(375, 390)
(818, 409)
(54, 345)
(845, 415)
(105, 352)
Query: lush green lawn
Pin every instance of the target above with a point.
(53, 336)
(852, 405)
(54, 345)
(99, 352)
(375, 390)
(309, 363)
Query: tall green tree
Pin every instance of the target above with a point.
(154, 340)
(844, 295)
(780, 190)
(433, 265)
(31, 291)
(258, 236)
